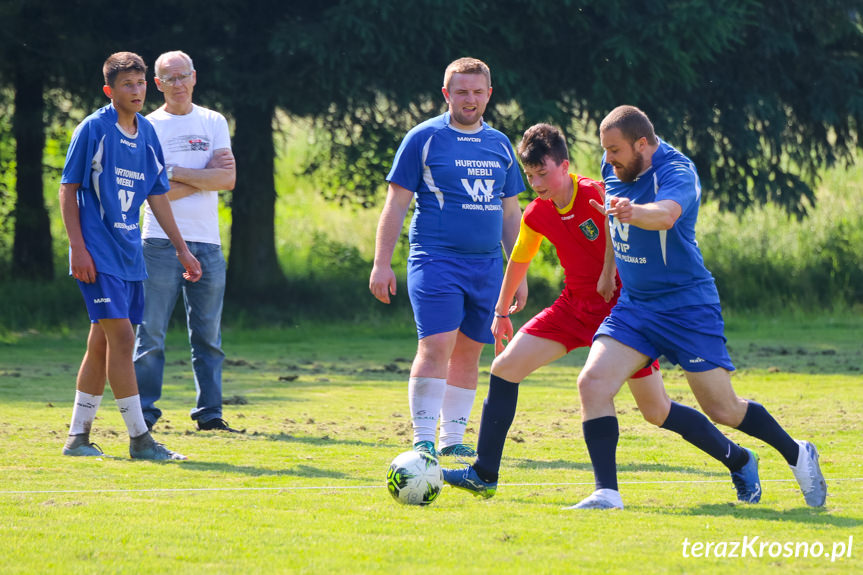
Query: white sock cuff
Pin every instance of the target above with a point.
(84, 396)
(84, 412)
(425, 397)
(130, 409)
(432, 382)
(455, 412)
(454, 393)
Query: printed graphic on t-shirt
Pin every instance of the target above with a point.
(186, 143)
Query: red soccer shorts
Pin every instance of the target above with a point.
(572, 321)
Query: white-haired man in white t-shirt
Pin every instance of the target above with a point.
(199, 162)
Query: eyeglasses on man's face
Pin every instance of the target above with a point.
(179, 78)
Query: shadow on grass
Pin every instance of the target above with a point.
(816, 516)
(314, 440)
(301, 470)
(621, 468)
(322, 441)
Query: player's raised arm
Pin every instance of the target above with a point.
(382, 282)
(659, 215)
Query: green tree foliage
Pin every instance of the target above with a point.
(7, 181)
(777, 106)
(761, 94)
(43, 49)
(31, 249)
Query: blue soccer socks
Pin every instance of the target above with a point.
(498, 412)
(601, 436)
(695, 428)
(759, 423)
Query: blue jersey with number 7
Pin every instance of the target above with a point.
(116, 172)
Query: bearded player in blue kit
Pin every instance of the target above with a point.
(562, 214)
(466, 181)
(668, 306)
(113, 164)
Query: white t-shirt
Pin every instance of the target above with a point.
(188, 141)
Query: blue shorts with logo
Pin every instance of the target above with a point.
(691, 337)
(110, 297)
(449, 293)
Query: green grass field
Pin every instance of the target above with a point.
(325, 411)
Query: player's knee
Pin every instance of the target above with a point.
(504, 367)
(97, 348)
(430, 359)
(721, 414)
(654, 414)
(592, 388)
(499, 367)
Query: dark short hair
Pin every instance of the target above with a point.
(632, 123)
(541, 141)
(122, 62)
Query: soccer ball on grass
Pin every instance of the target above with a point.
(414, 478)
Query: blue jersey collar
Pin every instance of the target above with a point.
(482, 125)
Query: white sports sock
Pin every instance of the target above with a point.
(455, 411)
(84, 412)
(130, 408)
(425, 396)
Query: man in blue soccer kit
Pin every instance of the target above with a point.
(113, 164)
(562, 213)
(668, 306)
(466, 181)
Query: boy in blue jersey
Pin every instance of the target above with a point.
(668, 306)
(466, 181)
(113, 164)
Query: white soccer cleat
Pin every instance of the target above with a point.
(808, 474)
(600, 499)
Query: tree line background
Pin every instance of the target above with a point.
(762, 94)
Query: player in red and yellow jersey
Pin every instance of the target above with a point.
(562, 213)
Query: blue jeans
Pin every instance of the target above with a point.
(203, 301)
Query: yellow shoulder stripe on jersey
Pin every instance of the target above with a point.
(527, 244)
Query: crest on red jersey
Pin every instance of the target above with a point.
(589, 229)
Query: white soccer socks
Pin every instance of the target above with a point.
(455, 412)
(130, 408)
(84, 412)
(425, 398)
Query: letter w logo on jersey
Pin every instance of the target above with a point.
(479, 190)
(125, 199)
(618, 229)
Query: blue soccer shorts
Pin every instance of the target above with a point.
(691, 337)
(110, 297)
(449, 293)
